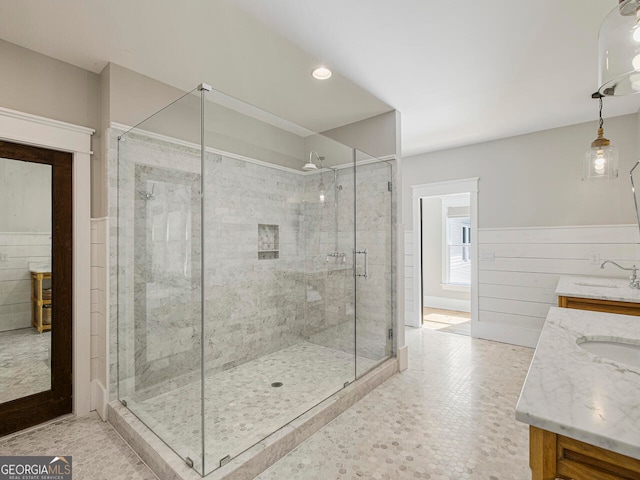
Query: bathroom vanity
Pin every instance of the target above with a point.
(598, 294)
(582, 407)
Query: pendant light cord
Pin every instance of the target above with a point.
(601, 120)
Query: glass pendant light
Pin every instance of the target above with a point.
(619, 50)
(601, 160)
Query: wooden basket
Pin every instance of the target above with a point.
(46, 294)
(46, 315)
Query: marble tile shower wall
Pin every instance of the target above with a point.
(330, 308)
(254, 306)
(157, 262)
(330, 287)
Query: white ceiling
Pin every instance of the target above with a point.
(459, 72)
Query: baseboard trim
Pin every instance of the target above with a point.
(403, 358)
(99, 400)
(525, 337)
(447, 303)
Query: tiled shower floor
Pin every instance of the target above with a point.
(241, 405)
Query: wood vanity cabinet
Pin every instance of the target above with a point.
(554, 456)
(38, 303)
(596, 305)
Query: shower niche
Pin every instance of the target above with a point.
(207, 321)
(268, 242)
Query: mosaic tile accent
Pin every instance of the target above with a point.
(24, 363)
(450, 416)
(98, 452)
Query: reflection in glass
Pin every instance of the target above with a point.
(25, 279)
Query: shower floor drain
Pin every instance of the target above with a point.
(276, 384)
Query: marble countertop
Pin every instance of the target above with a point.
(574, 393)
(599, 288)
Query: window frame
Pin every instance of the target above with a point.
(459, 200)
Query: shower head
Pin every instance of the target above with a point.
(312, 166)
(148, 195)
(309, 166)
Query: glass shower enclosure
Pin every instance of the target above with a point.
(249, 289)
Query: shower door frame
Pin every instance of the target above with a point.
(390, 334)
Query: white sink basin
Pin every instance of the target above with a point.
(619, 350)
(588, 284)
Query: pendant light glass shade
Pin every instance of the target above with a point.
(619, 50)
(601, 160)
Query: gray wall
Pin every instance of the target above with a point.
(135, 97)
(535, 179)
(375, 136)
(40, 85)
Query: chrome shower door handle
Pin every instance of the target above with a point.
(366, 262)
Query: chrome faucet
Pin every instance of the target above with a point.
(633, 279)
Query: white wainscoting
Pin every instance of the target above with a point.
(519, 269)
(99, 316)
(410, 309)
(17, 250)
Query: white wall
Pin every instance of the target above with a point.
(534, 180)
(25, 196)
(15, 278)
(25, 235)
(519, 269)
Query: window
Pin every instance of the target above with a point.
(456, 262)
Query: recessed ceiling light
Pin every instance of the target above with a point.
(321, 73)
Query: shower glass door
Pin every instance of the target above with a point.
(279, 294)
(159, 276)
(373, 261)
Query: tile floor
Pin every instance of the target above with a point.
(97, 451)
(24, 363)
(450, 416)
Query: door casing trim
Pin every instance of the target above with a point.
(38, 131)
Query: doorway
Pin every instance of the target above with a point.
(446, 262)
(445, 273)
(36, 281)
